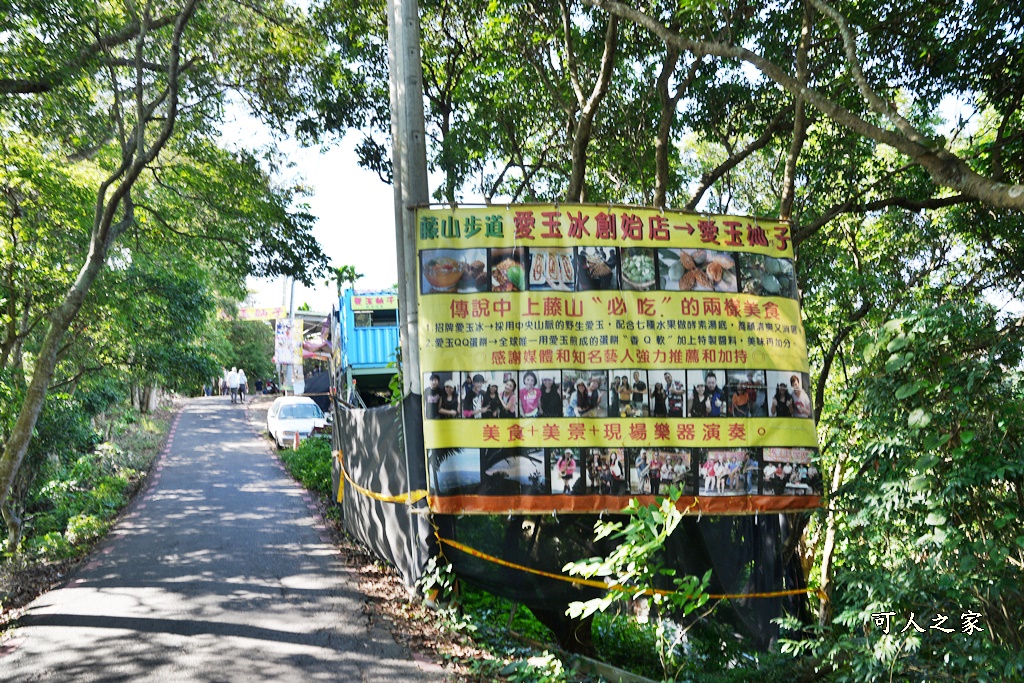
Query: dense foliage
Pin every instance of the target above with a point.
(892, 136)
(245, 344)
(91, 454)
(124, 224)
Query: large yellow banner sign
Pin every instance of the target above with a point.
(576, 356)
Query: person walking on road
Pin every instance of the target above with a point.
(243, 385)
(233, 384)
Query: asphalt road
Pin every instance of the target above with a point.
(218, 573)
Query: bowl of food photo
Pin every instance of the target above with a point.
(638, 272)
(443, 273)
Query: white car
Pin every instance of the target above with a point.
(291, 415)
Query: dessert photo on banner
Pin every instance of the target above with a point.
(597, 268)
(728, 472)
(697, 270)
(606, 471)
(790, 472)
(513, 472)
(508, 269)
(566, 471)
(441, 395)
(585, 393)
(446, 271)
(552, 269)
(706, 396)
(455, 471)
(653, 470)
(788, 394)
(746, 393)
(638, 269)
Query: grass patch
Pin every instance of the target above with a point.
(623, 642)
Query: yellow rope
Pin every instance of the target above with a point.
(407, 498)
(416, 496)
(614, 586)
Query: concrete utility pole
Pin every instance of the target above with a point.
(409, 159)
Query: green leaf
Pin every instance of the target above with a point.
(966, 437)
(1004, 520)
(936, 441)
(897, 343)
(911, 388)
(897, 361)
(919, 483)
(919, 419)
(935, 519)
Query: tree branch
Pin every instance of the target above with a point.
(799, 120)
(581, 137)
(712, 176)
(944, 167)
(61, 75)
(876, 103)
(851, 206)
(570, 54)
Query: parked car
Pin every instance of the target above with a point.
(291, 415)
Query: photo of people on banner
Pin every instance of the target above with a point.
(489, 394)
(790, 472)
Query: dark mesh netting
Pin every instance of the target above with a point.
(374, 458)
(746, 553)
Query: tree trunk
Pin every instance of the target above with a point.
(799, 122)
(582, 133)
(135, 157)
(14, 526)
(828, 550)
(46, 362)
(665, 119)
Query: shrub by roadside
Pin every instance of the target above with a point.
(310, 464)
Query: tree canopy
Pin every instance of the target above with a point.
(124, 218)
(891, 135)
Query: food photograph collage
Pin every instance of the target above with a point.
(573, 269)
(631, 393)
(624, 471)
